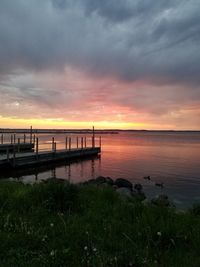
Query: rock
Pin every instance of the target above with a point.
(120, 182)
(147, 177)
(100, 180)
(109, 181)
(159, 184)
(138, 187)
(124, 191)
(55, 180)
(161, 200)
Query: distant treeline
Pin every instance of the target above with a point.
(58, 131)
(89, 131)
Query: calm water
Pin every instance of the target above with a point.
(172, 158)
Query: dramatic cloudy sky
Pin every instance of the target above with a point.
(112, 63)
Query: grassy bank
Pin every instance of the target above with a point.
(57, 224)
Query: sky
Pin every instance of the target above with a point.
(109, 63)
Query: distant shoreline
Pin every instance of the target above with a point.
(58, 131)
(90, 131)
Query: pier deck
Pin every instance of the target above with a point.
(17, 147)
(21, 160)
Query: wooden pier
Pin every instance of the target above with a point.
(23, 147)
(20, 154)
(14, 144)
(22, 160)
(25, 152)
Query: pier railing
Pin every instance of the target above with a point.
(40, 150)
(23, 143)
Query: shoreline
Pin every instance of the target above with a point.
(155, 193)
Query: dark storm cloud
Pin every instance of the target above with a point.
(154, 40)
(124, 10)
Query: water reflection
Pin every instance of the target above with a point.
(171, 158)
(65, 170)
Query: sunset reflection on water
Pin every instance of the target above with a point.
(171, 158)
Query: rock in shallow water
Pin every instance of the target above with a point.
(121, 182)
(100, 180)
(138, 187)
(109, 181)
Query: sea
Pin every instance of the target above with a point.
(171, 159)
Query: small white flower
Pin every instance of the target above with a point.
(159, 233)
(51, 224)
(52, 253)
(94, 249)
(145, 260)
(85, 248)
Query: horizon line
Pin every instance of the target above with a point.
(103, 129)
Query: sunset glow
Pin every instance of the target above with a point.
(60, 124)
(82, 73)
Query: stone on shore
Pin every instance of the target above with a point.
(100, 180)
(109, 181)
(121, 182)
(120, 185)
(138, 187)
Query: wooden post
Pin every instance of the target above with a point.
(11, 139)
(37, 146)
(81, 142)
(18, 145)
(55, 147)
(53, 143)
(31, 134)
(70, 143)
(93, 137)
(66, 143)
(14, 138)
(85, 142)
(2, 139)
(77, 141)
(100, 141)
(34, 139)
(24, 138)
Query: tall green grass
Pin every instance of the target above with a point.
(60, 224)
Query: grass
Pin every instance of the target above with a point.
(60, 224)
